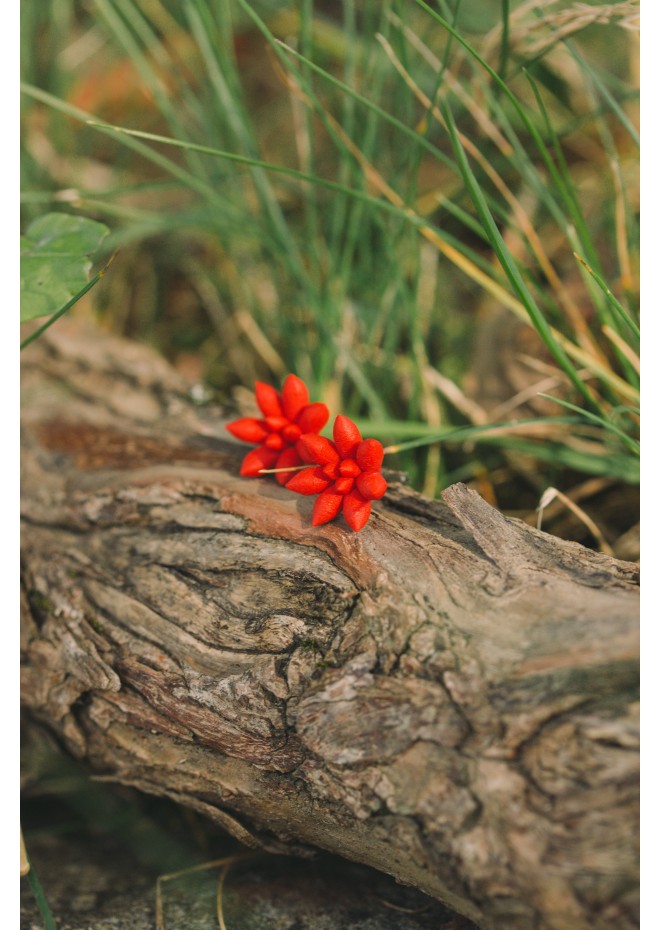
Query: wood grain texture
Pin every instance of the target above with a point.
(449, 695)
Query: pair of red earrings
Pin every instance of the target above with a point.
(344, 473)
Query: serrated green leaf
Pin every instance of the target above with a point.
(55, 261)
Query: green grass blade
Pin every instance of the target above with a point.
(427, 435)
(418, 138)
(564, 190)
(504, 42)
(562, 169)
(126, 38)
(121, 131)
(621, 312)
(510, 268)
(307, 157)
(600, 86)
(292, 173)
(40, 898)
(229, 107)
(502, 435)
(627, 440)
(611, 104)
(131, 140)
(621, 467)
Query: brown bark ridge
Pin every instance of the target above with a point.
(449, 695)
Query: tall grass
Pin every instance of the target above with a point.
(353, 196)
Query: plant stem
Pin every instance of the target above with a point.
(40, 898)
(67, 306)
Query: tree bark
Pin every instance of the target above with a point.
(449, 695)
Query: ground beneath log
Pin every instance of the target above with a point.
(92, 884)
(98, 850)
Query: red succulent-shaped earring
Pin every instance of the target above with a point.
(286, 417)
(346, 475)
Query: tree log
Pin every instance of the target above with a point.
(449, 695)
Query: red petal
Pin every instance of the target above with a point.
(295, 396)
(371, 485)
(274, 441)
(343, 485)
(303, 453)
(287, 459)
(248, 429)
(346, 436)
(268, 400)
(356, 510)
(326, 508)
(257, 459)
(313, 418)
(331, 471)
(291, 433)
(309, 481)
(275, 424)
(349, 469)
(369, 455)
(317, 449)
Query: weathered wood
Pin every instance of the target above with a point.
(449, 695)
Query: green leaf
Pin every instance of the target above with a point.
(55, 261)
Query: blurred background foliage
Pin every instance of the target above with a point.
(427, 212)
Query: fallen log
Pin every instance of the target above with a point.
(449, 695)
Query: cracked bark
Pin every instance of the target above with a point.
(449, 696)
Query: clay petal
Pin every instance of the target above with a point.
(291, 433)
(268, 400)
(349, 468)
(331, 471)
(288, 458)
(326, 508)
(309, 481)
(274, 441)
(257, 459)
(369, 455)
(356, 510)
(247, 429)
(314, 448)
(276, 424)
(313, 418)
(346, 436)
(371, 485)
(295, 396)
(343, 485)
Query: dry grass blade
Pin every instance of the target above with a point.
(404, 910)
(523, 396)
(25, 864)
(241, 320)
(552, 494)
(493, 40)
(449, 389)
(526, 231)
(221, 882)
(225, 862)
(565, 23)
(260, 343)
(457, 87)
(577, 353)
(622, 346)
(558, 25)
(377, 181)
(623, 252)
